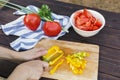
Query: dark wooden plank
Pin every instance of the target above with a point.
(108, 38)
(6, 40)
(110, 55)
(109, 68)
(103, 76)
(6, 67)
(5, 17)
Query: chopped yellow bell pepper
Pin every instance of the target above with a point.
(58, 56)
(52, 71)
(77, 62)
(53, 54)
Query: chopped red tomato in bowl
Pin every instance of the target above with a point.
(84, 20)
(87, 22)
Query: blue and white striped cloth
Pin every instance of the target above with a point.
(27, 38)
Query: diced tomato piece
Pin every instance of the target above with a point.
(93, 19)
(81, 20)
(87, 13)
(85, 21)
(77, 14)
(95, 27)
(77, 21)
(98, 23)
(91, 28)
(88, 26)
(83, 27)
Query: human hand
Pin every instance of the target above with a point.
(31, 70)
(8, 54)
(30, 54)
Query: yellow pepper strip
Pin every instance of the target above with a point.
(53, 70)
(77, 62)
(56, 58)
(52, 54)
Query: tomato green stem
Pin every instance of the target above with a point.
(46, 19)
(16, 7)
(65, 30)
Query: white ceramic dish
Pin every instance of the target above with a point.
(84, 33)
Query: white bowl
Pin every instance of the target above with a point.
(84, 33)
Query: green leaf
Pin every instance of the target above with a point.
(45, 13)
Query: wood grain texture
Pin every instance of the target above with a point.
(64, 73)
(108, 39)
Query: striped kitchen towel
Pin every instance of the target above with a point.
(28, 39)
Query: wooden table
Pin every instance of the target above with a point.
(108, 39)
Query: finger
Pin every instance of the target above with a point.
(39, 52)
(42, 51)
(45, 65)
(35, 76)
(38, 49)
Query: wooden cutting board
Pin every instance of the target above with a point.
(63, 72)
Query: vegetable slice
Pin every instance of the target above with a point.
(77, 62)
(84, 20)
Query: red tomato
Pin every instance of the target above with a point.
(32, 21)
(86, 21)
(52, 28)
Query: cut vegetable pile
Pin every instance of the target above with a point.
(84, 20)
(76, 62)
